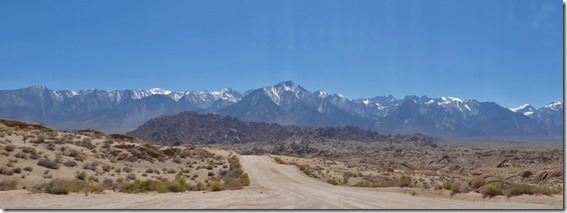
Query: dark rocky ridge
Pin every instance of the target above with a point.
(193, 128)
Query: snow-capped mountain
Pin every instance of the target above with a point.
(525, 109)
(285, 103)
(113, 111)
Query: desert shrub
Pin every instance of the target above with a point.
(63, 186)
(9, 148)
(6, 171)
(120, 180)
(404, 181)
(245, 179)
(81, 176)
(199, 187)
(28, 169)
(171, 171)
(131, 176)
(48, 163)
(21, 155)
(478, 182)
(51, 147)
(127, 169)
(41, 139)
(526, 174)
(521, 189)
(58, 158)
(6, 185)
(279, 160)
(106, 168)
(457, 188)
(333, 181)
(96, 188)
(216, 186)
(490, 190)
(363, 184)
(139, 186)
(210, 174)
(447, 185)
(108, 183)
(70, 163)
(178, 185)
(150, 171)
(17, 170)
(86, 143)
(162, 187)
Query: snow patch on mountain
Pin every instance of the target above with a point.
(159, 91)
(556, 105)
(519, 108)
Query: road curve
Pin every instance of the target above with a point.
(296, 190)
(273, 186)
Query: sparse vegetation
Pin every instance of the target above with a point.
(6, 171)
(63, 186)
(47, 163)
(81, 176)
(9, 148)
(404, 181)
(8, 184)
(216, 186)
(70, 163)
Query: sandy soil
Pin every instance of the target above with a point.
(273, 186)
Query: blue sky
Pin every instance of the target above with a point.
(506, 51)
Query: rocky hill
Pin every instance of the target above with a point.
(42, 159)
(194, 128)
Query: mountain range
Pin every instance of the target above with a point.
(284, 103)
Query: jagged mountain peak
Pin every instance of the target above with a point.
(525, 109)
(555, 105)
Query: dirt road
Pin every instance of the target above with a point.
(273, 186)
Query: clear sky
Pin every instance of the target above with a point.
(506, 51)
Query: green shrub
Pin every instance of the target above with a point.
(245, 179)
(404, 181)
(99, 188)
(6, 185)
(162, 187)
(521, 189)
(363, 184)
(447, 185)
(63, 186)
(178, 185)
(216, 186)
(490, 190)
(199, 187)
(333, 181)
